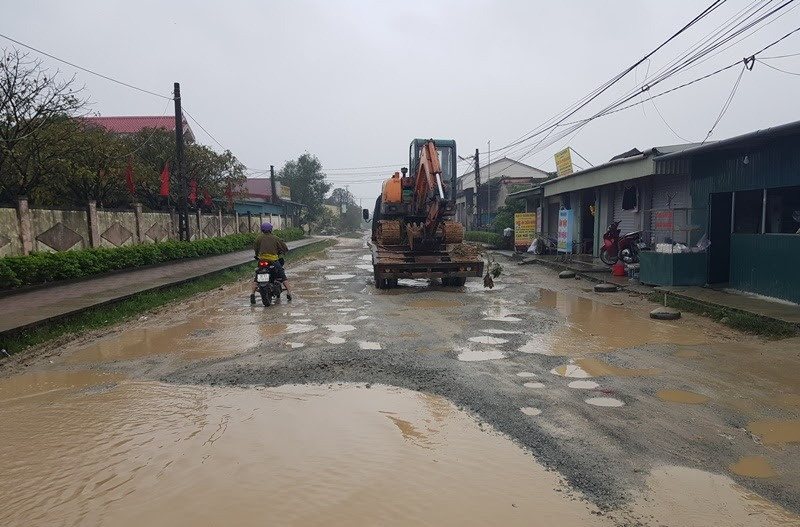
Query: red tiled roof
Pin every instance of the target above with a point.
(134, 124)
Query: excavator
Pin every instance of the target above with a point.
(413, 231)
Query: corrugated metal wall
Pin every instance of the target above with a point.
(776, 165)
(671, 192)
(766, 264)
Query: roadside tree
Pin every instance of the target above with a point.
(36, 125)
(307, 181)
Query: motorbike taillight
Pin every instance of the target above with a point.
(263, 263)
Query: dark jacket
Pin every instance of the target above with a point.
(269, 246)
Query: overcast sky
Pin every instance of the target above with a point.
(352, 82)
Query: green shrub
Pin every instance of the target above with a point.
(39, 268)
(489, 238)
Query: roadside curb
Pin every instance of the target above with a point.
(61, 316)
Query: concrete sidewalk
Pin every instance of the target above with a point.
(27, 309)
(776, 310)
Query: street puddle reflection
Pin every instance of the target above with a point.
(158, 454)
(693, 498)
(202, 335)
(776, 431)
(608, 402)
(432, 303)
(594, 367)
(593, 327)
(682, 396)
(50, 384)
(753, 467)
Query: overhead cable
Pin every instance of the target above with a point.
(87, 70)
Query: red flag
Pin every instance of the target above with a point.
(129, 179)
(207, 198)
(193, 191)
(165, 180)
(229, 195)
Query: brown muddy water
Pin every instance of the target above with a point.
(594, 327)
(135, 453)
(90, 448)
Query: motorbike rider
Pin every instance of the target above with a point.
(269, 247)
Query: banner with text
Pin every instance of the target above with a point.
(565, 230)
(524, 229)
(563, 162)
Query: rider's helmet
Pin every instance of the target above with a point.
(266, 227)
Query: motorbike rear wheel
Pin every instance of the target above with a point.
(607, 258)
(265, 297)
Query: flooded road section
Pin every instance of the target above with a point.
(88, 448)
(133, 453)
(213, 411)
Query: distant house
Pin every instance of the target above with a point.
(503, 177)
(259, 201)
(126, 125)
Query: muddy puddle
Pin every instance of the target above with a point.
(753, 467)
(688, 497)
(593, 367)
(682, 396)
(89, 448)
(197, 337)
(156, 454)
(593, 327)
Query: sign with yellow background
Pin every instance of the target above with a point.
(563, 162)
(524, 229)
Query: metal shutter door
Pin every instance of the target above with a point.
(625, 217)
(671, 192)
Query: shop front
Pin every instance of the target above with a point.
(745, 194)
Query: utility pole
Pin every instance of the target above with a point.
(478, 186)
(489, 185)
(183, 202)
(272, 183)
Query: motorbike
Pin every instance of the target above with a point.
(269, 285)
(625, 248)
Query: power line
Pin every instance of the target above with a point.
(87, 70)
(574, 108)
(727, 103)
(778, 69)
(366, 167)
(202, 128)
(615, 107)
(676, 134)
(729, 30)
(146, 141)
(781, 56)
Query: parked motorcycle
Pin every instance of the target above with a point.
(625, 248)
(269, 285)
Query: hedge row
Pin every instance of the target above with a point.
(39, 268)
(489, 238)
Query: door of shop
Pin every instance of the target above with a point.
(719, 260)
(588, 211)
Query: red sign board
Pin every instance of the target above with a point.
(664, 220)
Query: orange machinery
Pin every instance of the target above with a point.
(412, 225)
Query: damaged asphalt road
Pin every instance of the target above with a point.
(581, 383)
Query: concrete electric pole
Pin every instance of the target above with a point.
(183, 202)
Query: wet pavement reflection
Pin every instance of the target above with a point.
(155, 454)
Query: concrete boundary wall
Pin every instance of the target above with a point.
(24, 230)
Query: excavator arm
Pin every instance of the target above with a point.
(429, 189)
